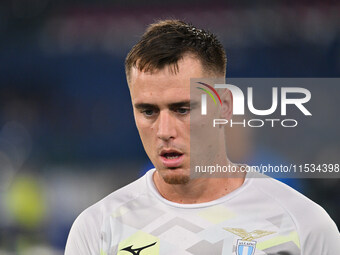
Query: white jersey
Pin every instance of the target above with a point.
(263, 216)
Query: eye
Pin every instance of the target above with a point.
(148, 112)
(183, 110)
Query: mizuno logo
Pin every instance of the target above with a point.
(137, 251)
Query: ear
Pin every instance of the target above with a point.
(227, 104)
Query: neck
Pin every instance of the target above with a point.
(198, 190)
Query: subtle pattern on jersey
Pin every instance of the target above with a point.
(261, 217)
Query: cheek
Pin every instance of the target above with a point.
(146, 133)
(145, 128)
(187, 126)
(148, 141)
(141, 122)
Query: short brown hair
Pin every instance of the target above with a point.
(165, 43)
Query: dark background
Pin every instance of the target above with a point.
(67, 134)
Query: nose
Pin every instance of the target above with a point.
(166, 126)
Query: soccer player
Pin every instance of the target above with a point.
(167, 211)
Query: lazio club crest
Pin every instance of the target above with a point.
(246, 245)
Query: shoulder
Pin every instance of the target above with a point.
(315, 228)
(299, 207)
(117, 198)
(85, 232)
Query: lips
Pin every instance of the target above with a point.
(171, 158)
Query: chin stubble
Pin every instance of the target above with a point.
(182, 179)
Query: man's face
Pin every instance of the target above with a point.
(161, 105)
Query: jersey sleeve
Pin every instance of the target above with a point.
(321, 236)
(318, 234)
(84, 237)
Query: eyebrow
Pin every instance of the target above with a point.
(172, 105)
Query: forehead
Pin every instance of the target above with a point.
(165, 85)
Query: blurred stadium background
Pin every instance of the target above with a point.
(67, 134)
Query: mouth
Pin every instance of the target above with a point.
(171, 158)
